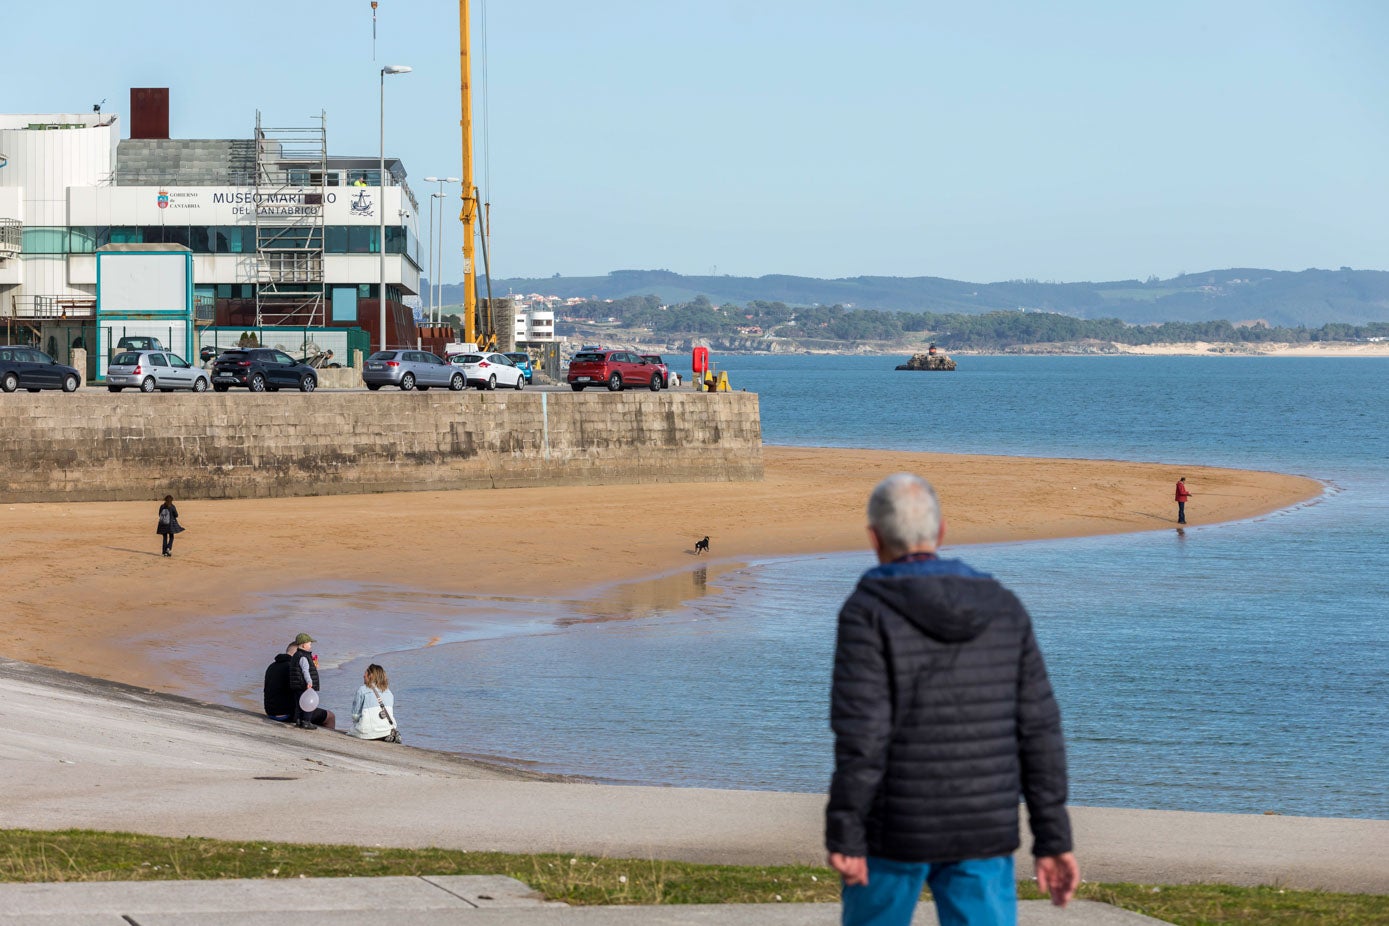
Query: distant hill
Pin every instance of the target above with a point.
(1308, 297)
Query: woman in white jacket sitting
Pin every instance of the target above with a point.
(373, 719)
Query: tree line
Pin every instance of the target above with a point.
(989, 331)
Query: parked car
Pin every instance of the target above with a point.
(523, 363)
(148, 370)
(660, 365)
(410, 369)
(138, 343)
(487, 370)
(261, 369)
(32, 369)
(616, 368)
(209, 352)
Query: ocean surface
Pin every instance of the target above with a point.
(1240, 668)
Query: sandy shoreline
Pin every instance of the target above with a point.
(1378, 349)
(87, 577)
(1316, 349)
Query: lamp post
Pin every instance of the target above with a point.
(381, 197)
(434, 286)
(433, 243)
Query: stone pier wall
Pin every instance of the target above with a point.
(95, 446)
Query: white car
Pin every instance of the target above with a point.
(486, 371)
(148, 370)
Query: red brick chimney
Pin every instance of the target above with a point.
(149, 112)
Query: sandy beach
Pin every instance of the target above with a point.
(85, 578)
(1271, 349)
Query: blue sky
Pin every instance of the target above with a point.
(978, 141)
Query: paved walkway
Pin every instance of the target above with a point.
(99, 755)
(438, 901)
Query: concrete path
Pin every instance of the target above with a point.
(439, 901)
(100, 755)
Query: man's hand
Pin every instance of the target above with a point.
(1057, 875)
(852, 868)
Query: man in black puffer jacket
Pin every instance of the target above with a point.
(943, 717)
(279, 692)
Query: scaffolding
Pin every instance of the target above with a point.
(291, 183)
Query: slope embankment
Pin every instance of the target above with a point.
(101, 755)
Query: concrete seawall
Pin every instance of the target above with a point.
(94, 446)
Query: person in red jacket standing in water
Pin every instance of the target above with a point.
(1182, 496)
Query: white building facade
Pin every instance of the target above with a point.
(281, 232)
(534, 324)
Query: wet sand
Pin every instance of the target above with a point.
(85, 579)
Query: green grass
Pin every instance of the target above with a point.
(83, 855)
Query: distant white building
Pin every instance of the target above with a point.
(535, 324)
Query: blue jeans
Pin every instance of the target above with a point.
(975, 892)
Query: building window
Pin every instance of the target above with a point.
(82, 239)
(40, 240)
(345, 303)
(395, 239)
(361, 240)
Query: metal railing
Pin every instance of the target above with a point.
(56, 307)
(11, 237)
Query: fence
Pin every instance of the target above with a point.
(295, 341)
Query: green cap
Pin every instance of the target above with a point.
(302, 639)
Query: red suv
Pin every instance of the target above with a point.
(615, 368)
(660, 365)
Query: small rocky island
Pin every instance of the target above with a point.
(931, 360)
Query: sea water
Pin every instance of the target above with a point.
(1240, 667)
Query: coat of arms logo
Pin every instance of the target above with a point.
(361, 204)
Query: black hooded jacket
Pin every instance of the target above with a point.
(943, 717)
(279, 693)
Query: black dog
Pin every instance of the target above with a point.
(701, 546)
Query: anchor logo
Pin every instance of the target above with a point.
(361, 204)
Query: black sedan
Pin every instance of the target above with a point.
(27, 368)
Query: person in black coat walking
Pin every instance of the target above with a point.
(168, 524)
(943, 717)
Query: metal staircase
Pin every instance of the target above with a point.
(291, 182)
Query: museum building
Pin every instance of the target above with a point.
(282, 234)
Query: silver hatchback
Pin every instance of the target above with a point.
(148, 370)
(410, 369)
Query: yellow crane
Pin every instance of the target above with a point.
(475, 329)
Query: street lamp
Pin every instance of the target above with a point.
(433, 240)
(381, 197)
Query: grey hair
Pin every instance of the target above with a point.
(905, 513)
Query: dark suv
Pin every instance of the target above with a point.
(262, 369)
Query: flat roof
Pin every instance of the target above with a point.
(49, 121)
